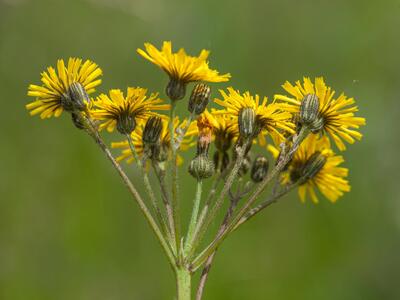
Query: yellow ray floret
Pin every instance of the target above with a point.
(165, 140)
(339, 120)
(180, 66)
(109, 108)
(55, 84)
(330, 179)
(271, 118)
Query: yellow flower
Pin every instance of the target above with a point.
(224, 129)
(165, 140)
(336, 114)
(269, 118)
(52, 94)
(329, 178)
(122, 112)
(181, 68)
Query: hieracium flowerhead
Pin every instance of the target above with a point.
(181, 68)
(336, 115)
(66, 88)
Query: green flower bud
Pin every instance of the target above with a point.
(126, 123)
(76, 119)
(246, 120)
(176, 89)
(152, 131)
(199, 98)
(313, 165)
(245, 166)
(309, 109)
(259, 169)
(201, 167)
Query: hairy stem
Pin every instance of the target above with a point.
(166, 200)
(156, 207)
(174, 176)
(193, 219)
(91, 129)
(200, 259)
(228, 183)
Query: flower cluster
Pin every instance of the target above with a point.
(290, 140)
(242, 119)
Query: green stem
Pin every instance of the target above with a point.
(193, 219)
(183, 131)
(160, 218)
(91, 129)
(160, 174)
(199, 260)
(183, 284)
(225, 189)
(174, 175)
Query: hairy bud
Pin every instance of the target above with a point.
(152, 131)
(176, 89)
(76, 98)
(245, 166)
(201, 167)
(246, 122)
(199, 98)
(309, 109)
(126, 123)
(313, 165)
(259, 169)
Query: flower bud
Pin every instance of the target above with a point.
(126, 123)
(201, 167)
(309, 109)
(313, 165)
(246, 122)
(76, 119)
(176, 89)
(259, 169)
(152, 131)
(199, 98)
(245, 166)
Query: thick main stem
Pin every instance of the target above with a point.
(183, 284)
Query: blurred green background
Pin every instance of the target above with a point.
(68, 229)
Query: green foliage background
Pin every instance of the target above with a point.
(68, 229)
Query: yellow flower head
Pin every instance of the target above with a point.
(116, 110)
(269, 118)
(329, 179)
(224, 129)
(336, 114)
(165, 140)
(180, 66)
(51, 95)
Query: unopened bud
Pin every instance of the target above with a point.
(176, 89)
(76, 119)
(313, 165)
(309, 109)
(245, 166)
(201, 167)
(199, 98)
(246, 122)
(126, 123)
(259, 169)
(152, 131)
